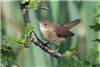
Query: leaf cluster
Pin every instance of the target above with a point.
(91, 59)
(24, 1)
(28, 30)
(72, 51)
(8, 43)
(11, 42)
(96, 27)
(31, 4)
(7, 54)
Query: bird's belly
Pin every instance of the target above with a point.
(57, 41)
(52, 38)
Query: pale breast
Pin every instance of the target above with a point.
(51, 37)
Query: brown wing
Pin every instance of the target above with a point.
(70, 25)
(63, 31)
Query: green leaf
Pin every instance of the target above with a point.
(20, 42)
(72, 51)
(23, 2)
(9, 54)
(97, 40)
(79, 63)
(96, 27)
(28, 30)
(99, 6)
(11, 42)
(8, 41)
(2, 24)
(92, 56)
(28, 39)
(68, 53)
(33, 5)
(66, 62)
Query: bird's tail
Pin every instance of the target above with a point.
(71, 24)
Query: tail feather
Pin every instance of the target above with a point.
(70, 25)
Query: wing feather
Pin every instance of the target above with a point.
(63, 31)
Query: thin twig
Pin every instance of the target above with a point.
(45, 8)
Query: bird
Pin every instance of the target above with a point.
(56, 34)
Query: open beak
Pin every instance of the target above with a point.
(38, 21)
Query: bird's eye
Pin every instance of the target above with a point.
(45, 24)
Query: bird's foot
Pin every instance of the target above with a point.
(56, 51)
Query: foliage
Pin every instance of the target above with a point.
(99, 6)
(27, 30)
(31, 4)
(98, 40)
(79, 63)
(91, 59)
(7, 54)
(96, 27)
(66, 62)
(23, 2)
(8, 43)
(72, 51)
(92, 56)
(11, 42)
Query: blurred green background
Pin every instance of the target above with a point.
(60, 12)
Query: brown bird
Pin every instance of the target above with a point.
(56, 34)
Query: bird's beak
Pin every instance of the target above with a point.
(38, 21)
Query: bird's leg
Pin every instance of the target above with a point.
(56, 50)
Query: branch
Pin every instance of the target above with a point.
(45, 8)
(34, 38)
